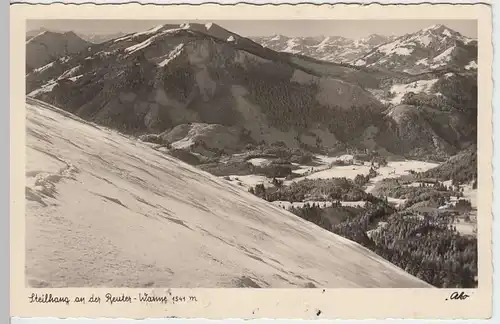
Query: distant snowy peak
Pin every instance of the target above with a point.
(440, 29)
(100, 38)
(445, 33)
(327, 48)
(434, 47)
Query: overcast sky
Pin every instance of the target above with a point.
(346, 28)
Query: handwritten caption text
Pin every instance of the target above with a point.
(111, 299)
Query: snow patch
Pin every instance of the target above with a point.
(69, 73)
(472, 65)
(425, 40)
(45, 88)
(172, 55)
(147, 32)
(258, 161)
(403, 51)
(139, 46)
(43, 68)
(444, 56)
(424, 61)
(396, 47)
(76, 77)
(134, 48)
(360, 62)
(321, 46)
(416, 87)
(291, 44)
(446, 32)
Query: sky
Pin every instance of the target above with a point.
(346, 28)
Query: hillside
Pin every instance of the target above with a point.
(460, 168)
(428, 49)
(326, 48)
(176, 75)
(89, 190)
(48, 46)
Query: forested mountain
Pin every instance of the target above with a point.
(153, 81)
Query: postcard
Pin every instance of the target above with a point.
(251, 161)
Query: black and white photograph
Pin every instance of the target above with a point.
(251, 153)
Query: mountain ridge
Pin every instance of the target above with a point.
(48, 46)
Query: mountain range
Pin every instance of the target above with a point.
(194, 75)
(326, 48)
(428, 49)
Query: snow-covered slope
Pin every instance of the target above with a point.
(103, 209)
(326, 48)
(431, 48)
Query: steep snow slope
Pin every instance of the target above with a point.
(106, 210)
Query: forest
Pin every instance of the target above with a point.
(428, 248)
(425, 244)
(461, 168)
(318, 189)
